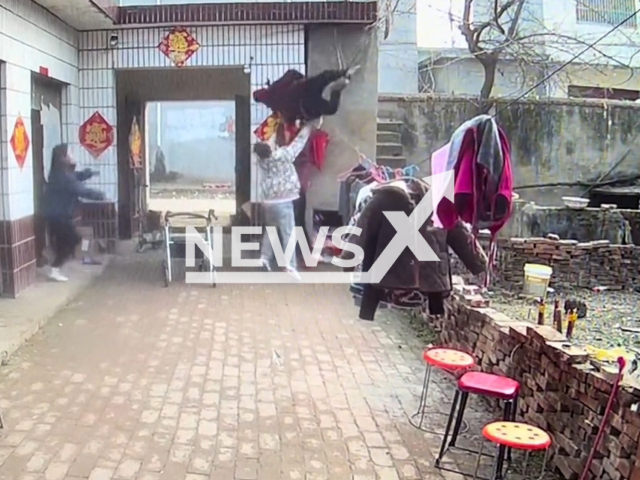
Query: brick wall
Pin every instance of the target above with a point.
(583, 265)
(561, 392)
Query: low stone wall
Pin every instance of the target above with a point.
(584, 265)
(584, 225)
(561, 391)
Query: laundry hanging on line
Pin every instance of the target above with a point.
(479, 154)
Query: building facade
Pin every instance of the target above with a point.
(398, 51)
(74, 71)
(558, 30)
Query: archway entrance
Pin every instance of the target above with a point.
(202, 92)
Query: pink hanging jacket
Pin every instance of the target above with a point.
(480, 156)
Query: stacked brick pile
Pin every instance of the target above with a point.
(561, 391)
(586, 265)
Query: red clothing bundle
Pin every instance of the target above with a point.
(281, 96)
(314, 153)
(480, 156)
(293, 97)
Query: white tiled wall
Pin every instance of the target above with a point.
(16, 102)
(30, 38)
(268, 50)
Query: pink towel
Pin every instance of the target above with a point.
(438, 165)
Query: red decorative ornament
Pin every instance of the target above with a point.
(270, 126)
(20, 142)
(179, 46)
(96, 135)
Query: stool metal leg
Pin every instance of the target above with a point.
(500, 462)
(422, 406)
(478, 460)
(417, 419)
(445, 437)
(458, 425)
(544, 463)
(509, 416)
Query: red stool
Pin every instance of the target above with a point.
(488, 385)
(447, 359)
(518, 436)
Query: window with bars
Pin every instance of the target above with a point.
(606, 12)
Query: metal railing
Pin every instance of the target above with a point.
(606, 12)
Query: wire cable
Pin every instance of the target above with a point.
(568, 62)
(555, 72)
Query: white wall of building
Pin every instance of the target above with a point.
(398, 53)
(465, 76)
(568, 37)
(565, 38)
(31, 38)
(560, 16)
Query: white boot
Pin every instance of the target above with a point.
(57, 276)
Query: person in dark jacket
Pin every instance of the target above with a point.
(60, 199)
(433, 279)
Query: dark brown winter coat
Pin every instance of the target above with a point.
(407, 272)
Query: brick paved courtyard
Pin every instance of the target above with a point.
(133, 381)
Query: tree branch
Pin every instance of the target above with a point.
(490, 40)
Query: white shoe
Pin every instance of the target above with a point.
(265, 265)
(294, 273)
(352, 70)
(57, 276)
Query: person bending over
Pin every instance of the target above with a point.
(279, 186)
(60, 199)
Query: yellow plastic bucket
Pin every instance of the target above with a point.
(536, 279)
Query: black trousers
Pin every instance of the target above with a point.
(65, 240)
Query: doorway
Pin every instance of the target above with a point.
(46, 128)
(191, 151)
(196, 132)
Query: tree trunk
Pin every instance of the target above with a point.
(489, 65)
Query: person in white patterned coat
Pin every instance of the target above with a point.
(279, 186)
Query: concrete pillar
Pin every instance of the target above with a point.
(353, 128)
(17, 239)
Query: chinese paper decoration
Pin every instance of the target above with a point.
(135, 145)
(179, 46)
(96, 135)
(269, 127)
(20, 142)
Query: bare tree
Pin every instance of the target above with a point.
(500, 35)
(489, 55)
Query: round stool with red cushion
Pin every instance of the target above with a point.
(447, 359)
(518, 436)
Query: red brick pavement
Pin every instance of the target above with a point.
(242, 382)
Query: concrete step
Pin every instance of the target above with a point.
(389, 150)
(393, 162)
(393, 126)
(388, 137)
